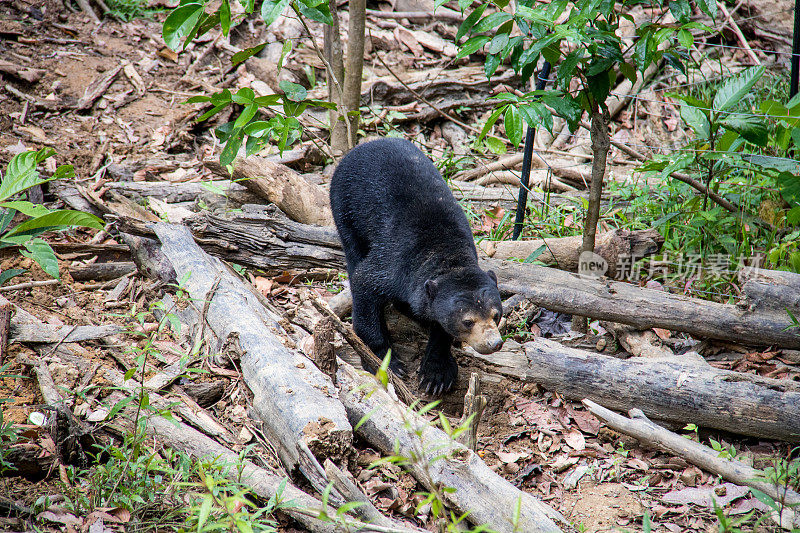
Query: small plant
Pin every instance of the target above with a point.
(126, 10)
(224, 505)
(20, 176)
(9, 434)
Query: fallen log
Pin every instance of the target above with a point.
(294, 195)
(618, 247)
(772, 289)
(305, 509)
(655, 436)
(437, 461)
(101, 271)
(174, 193)
(295, 401)
(265, 239)
(22, 331)
(644, 308)
(670, 390)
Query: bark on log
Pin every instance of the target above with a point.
(263, 237)
(665, 390)
(39, 332)
(174, 193)
(653, 435)
(298, 198)
(490, 499)
(263, 482)
(772, 289)
(101, 271)
(292, 397)
(618, 247)
(643, 308)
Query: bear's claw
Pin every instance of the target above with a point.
(437, 376)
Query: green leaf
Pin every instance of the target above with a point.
(21, 174)
(750, 127)
(57, 219)
(472, 45)
(198, 99)
(495, 145)
(272, 9)
(225, 17)
(293, 91)
(470, 21)
(686, 38)
(498, 43)
(781, 164)
(27, 208)
(535, 254)
(244, 96)
(681, 10)
(697, 120)
(489, 123)
(736, 87)
(180, 22)
(40, 251)
(491, 21)
(492, 62)
(513, 124)
(287, 47)
(317, 10)
(6, 275)
(243, 55)
(205, 511)
(232, 146)
(246, 116)
(709, 7)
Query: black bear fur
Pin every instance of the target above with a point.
(407, 241)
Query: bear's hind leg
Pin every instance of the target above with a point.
(438, 370)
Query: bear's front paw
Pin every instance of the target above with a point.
(437, 376)
(397, 366)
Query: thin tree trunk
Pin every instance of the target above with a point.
(333, 54)
(355, 66)
(600, 145)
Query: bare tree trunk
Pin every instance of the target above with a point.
(600, 145)
(333, 54)
(355, 66)
(343, 129)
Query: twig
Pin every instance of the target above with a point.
(651, 434)
(403, 392)
(425, 100)
(738, 32)
(441, 14)
(5, 326)
(29, 285)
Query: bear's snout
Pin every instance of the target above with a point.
(485, 337)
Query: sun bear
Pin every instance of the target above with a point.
(407, 241)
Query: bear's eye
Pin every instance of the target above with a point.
(495, 316)
(468, 324)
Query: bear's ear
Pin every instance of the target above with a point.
(431, 287)
(492, 275)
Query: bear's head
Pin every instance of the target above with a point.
(466, 303)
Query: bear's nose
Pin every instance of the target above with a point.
(497, 344)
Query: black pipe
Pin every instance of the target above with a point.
(795, 51)
(524, 179)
